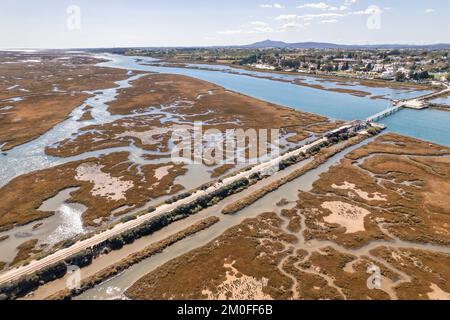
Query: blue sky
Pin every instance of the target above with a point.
(112, 23)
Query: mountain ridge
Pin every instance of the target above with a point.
(326, 45)
(284, 45)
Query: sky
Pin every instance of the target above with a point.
(128, 23)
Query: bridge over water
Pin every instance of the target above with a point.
(416, 103)
(435, 94)
(384, 114)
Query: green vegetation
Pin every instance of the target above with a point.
(401, 65)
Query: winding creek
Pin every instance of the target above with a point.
(114, 288)
(431, 125)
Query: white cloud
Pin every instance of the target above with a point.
(429, 10)
(308, 17)
(294, 25)
(251, 28)
(287, 17)
(326, 7)
(320, 15)
(369, 11)
(274, 6)
(329, 21)
(319, 5)
(327, 14)
(258, 23)
(341, 8)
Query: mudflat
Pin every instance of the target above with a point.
(144, 117)
(105, 184)
(38, 91)
(157, 104)
(383, 208)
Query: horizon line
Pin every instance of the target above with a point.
(225, 46)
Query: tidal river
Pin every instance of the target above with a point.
(430, 125)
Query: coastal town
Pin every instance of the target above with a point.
(411, 65)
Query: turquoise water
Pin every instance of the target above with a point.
(445, 101)
(387, 92)
(431, 125)
(330, 104)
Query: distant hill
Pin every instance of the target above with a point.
(285, 45)
(323, 45)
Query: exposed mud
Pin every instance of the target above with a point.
(43, 91)
(300, 254)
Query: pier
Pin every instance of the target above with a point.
(418, 103)
(421, 102)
